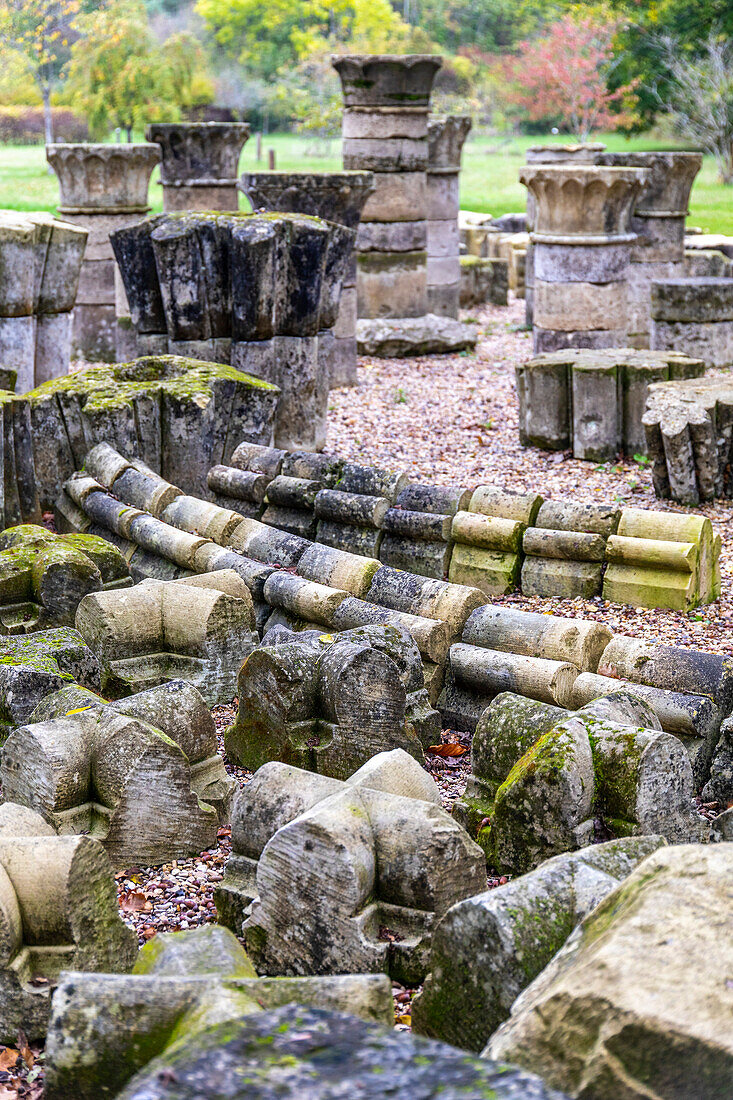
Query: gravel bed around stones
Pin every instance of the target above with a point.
(446, 420)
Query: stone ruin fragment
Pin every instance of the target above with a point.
(336, 197)
(256, 291)
(103, 187)
(141, 775)
(329, 702)
(40, 261)
(325, 865)
(197, 1018)
(43, 576)
(58, 908)
(541, 776)
(199, 629)
(488, 948)
(198, 169)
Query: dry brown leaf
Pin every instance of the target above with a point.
(8, 1058)
(450, 749)
(134, 902)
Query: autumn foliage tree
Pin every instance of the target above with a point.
(564, 76)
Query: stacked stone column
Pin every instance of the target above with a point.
(337, 197)
(445, 145)
(582, 249)
(550, 154)
(199, 163)
(103, 188)
(659, 222)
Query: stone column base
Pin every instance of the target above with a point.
(550, 339)
(53, 346)
(404, 337)
(444, 300)
(343, 362)
(94, 333)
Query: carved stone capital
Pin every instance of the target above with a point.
(579, 203)
(104, 179)
(446, 137)
(198, 152)
(333, 196)
(387, 80)
(667, 189)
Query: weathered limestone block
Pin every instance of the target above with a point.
(690, 672)
(32, 667)
(160, 631)
(334, 196)
(689, 435)
(719, 787)
(43, 576)
(417, 529)
(488, 539)
(293, 834)
(58, 905)
(329, 702)
(581, 242)
(40, 264)
(662, 559)
(406, 337)
(258, 291)
(179, 416)
(199, 160)
(178, 1042)
(142, 775)
(564, 553)
(102, 188)
(483, 280)
(432, 599)
(642, 980)
(540, 795)
(593, 401)
(350, 516)
(488, 948)
(182, 984)
(446, 137)
(694, 316)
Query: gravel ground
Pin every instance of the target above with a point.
(446, 420)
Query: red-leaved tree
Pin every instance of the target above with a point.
(564, 76)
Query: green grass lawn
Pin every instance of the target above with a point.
(489, 180)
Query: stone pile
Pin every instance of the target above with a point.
(58, 906)
(385, 131)
(40, 265)
(292, 830)
(142, 775)
(258, 291)
(694, 316)
(446, 137)
(199, 629)
(487, 949)
(487, 539)
(333, 196)
(640, 984)
(102, 188)
(198, 1018)
(689, 436)
(592, 401)
(43, 576)
(180, 416)
(543, 777)
(328, 702)
(582, 241)
(198, 163)
(565, 549)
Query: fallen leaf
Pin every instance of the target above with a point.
(25, 1051)
(8, 1058)
(449, 749)
(407, 1020)
(134, 902)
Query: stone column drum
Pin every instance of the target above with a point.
(385, 131)
(103, 188)
(582, 245)
(659, 222)
(199, 163)
(586, 153)
(336, 197)
(445, 145)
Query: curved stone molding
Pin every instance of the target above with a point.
(109, 179)
(583, 201)
(198, 152)
(387, 80)
(671, 176)
(446, 137)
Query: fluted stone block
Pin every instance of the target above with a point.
(583, 215)
(102, 188)
(199, 162)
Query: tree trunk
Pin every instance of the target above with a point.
(725, 164)
(128, 131)
(47, 116)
